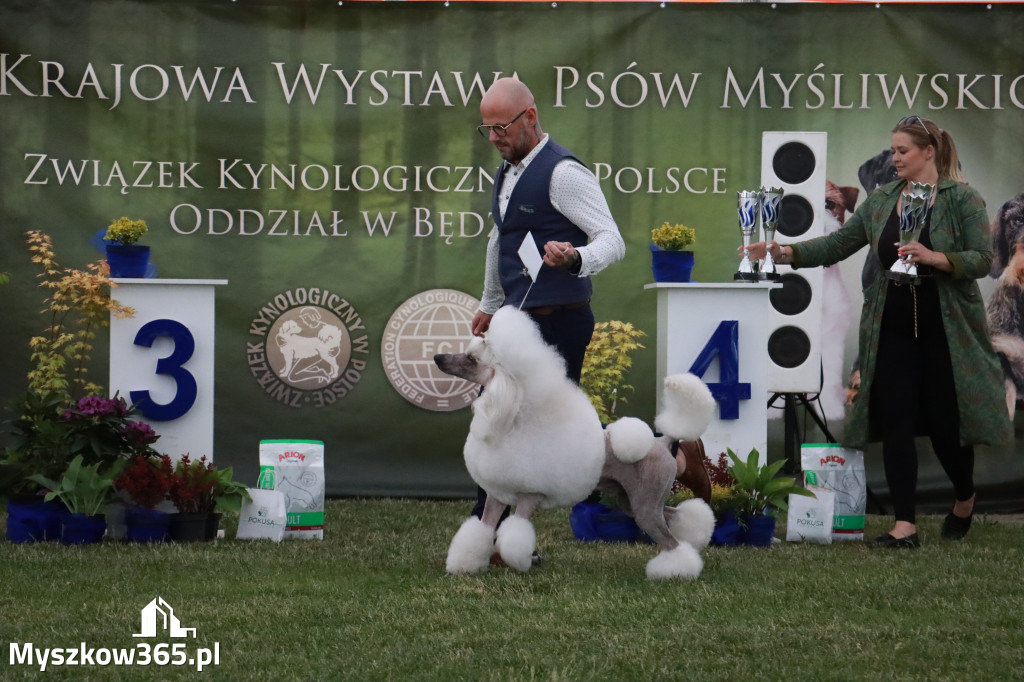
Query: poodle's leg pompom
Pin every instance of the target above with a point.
(693, 523)
(682, 562)
(471, 548)
(631, 439)
(516, 542)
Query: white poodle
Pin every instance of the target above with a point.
(536, 442)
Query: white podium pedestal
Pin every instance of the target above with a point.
(162, 358)
(720, 333)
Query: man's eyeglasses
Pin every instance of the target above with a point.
(499, 129)
(909, 120)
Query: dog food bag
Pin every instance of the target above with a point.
(841, 470)
(810, 518)
(296, 468)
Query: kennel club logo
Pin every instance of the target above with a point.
(434, 321)
(312, 347)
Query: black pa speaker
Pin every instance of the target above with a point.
(795, 162)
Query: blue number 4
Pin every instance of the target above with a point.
(172, 366)
(725, 345)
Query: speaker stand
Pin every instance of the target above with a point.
(793, 440)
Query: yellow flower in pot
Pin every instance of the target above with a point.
(125, 256)
(671, 260)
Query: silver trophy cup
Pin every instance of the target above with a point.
(771, 203)
(913, 212)
(749, 210)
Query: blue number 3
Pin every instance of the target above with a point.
(184, 347)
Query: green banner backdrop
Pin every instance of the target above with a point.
(322, 157)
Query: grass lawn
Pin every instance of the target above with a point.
(372, 602)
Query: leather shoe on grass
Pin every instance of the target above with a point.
(955, 527)
(909, 542)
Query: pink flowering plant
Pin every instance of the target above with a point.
(102, 429)
(49, 432)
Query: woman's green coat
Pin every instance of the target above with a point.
(958, 227)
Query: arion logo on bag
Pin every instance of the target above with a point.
(158, 615)
(431, 322)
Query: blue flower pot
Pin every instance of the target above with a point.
(82, 529)
(616, 526)
(581, 520)
(727, 530)
(671, 266)
(596, 522)
(759, 529)
(146, 525)
(33, 520)
(130, 260)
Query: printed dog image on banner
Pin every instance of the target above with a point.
(838, 313)
(1006, 305)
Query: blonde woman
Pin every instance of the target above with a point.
(926, 362)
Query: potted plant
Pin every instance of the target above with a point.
(85, 492)
(605, 364)
(603, 379)
(759, 490)
(199, 490)
(671, 261)
(126, 257)
(146, 481)
(45, 438)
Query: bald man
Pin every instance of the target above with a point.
(542, 188)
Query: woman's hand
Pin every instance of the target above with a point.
(919, 254)
(757, 251)
(780, 254)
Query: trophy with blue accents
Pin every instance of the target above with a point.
(913, 213)
(749, 210)
(771, 202)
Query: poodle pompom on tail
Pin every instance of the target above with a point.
(631, 439)
(687, 407)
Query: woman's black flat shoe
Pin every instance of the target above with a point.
(909, 542)
(955, 527)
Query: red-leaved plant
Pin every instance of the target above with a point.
(719, 472)
(193, 486)
(147, 480)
